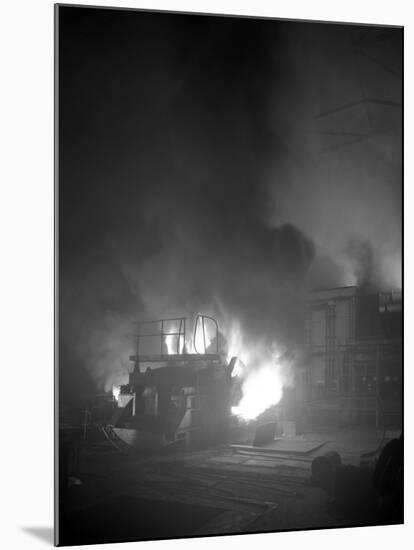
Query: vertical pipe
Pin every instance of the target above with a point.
(179, 336)
(85, 423)
(326, 348)
(204, 333)
(137, 367)
(377, 373)
(162, 336)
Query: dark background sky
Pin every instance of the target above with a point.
(221, 165)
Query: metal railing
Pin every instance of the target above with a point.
(163, 328)
(176, 327)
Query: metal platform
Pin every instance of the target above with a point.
(290, 446)
(175, 357)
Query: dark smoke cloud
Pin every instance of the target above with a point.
(185, 185)
(361, 252)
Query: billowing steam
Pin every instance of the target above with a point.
(200, 180)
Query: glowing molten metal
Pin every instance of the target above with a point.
(261, 389)
(262, 371)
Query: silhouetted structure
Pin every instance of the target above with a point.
(354, 366)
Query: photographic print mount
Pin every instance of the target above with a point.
(229, 276)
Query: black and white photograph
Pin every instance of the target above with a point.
(229, 303)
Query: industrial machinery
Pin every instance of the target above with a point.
(179, 390)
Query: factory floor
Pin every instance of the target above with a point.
(225, 490)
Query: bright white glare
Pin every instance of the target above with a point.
(261, 389)
(238, 369)
(201, 344)
(203, 336)
(174, 340)
(116, 390)
(170, 344)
